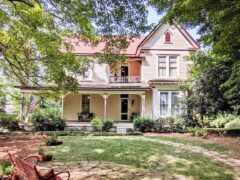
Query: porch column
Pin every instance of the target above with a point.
(22, 107)
(105, 96)
(143, 97)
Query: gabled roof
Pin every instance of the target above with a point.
(82, 48)
(135, 45)
(182, 30)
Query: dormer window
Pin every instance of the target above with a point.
(167, 37)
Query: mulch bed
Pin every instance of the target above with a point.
(21, 145)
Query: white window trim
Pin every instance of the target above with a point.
(169, 108)
(168, 66)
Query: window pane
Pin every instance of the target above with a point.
(163, 110)
(173, 72)
(163, 104)
(162, 72)
(172, 66)
(85, 103)
(162, 59)
(173, 59)
(162, 66)
(163, 98)
(175, 106)
(167, 37)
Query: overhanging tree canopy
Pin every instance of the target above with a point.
(32, 35)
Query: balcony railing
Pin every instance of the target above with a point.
(124, 79)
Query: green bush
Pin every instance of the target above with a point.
(52, 141)
(9, 121)
(97, 124)
(48, 119)
(233, 124)
(197, 131)
(143, 123)
(131, 132)
(6, 168)
(107, 124)
(222, 119)
(170, 124)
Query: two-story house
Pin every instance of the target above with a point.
(145, 85)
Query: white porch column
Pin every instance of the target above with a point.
(22, 106)
(105, 96)
(143, 98)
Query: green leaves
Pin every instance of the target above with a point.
(33, 46)
(218, 25)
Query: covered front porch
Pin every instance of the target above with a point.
(119, 106)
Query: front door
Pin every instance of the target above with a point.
(124, 107)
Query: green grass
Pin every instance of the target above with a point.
(206, 145)
(141, 154)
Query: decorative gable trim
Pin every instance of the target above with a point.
(182, 30)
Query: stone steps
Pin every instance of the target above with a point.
(121, 127)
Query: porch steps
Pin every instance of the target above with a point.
(121, 127)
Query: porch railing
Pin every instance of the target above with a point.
(124, 79)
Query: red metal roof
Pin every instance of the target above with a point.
(82, 48)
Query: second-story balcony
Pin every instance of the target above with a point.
(124, 79)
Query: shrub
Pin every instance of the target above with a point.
(222, 119)
(197, 131)
(143, 123)
(97, 124)
(131, 131)
(48, 119)
(52, 140)
(6, 168)
(233, 124)
(170, 124)
(10, 122)
(107, 124)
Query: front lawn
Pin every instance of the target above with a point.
(206, 145)
(141, 154)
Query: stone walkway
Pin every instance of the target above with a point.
(234, 163)
(107, 171)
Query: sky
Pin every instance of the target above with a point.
(153, 17)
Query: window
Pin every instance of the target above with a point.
(86, 103)
(162, 66)
(163, 104)
(124, 96)
(167, 37)
(167, 66)
(175, 105)
(170, 104)
(172, 66)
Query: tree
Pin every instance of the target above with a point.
(34, 33)
(218, 22)
(208, 74)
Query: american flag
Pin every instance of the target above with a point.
(33, 103)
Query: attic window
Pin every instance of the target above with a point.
(167, 37)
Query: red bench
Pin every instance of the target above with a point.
(27, 167)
